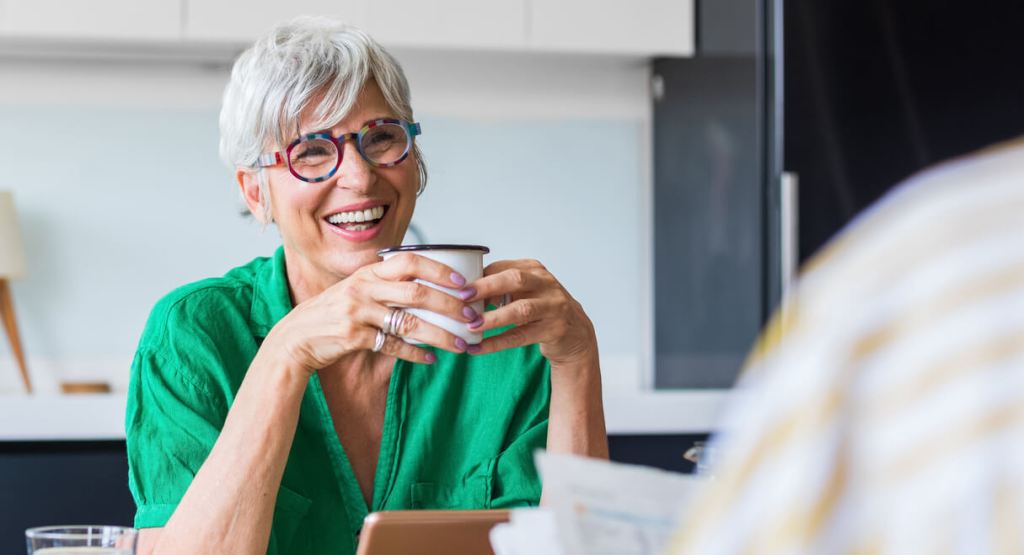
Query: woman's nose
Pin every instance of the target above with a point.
(354, 172)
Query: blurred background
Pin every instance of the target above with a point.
(671, 161)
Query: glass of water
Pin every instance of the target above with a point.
(81, 540)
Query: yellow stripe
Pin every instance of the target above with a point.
(962, 364)
(941, 306)
(902, 255)
(872, 546)
(897, 262)
(1005, 531)
(798, 528)
(959, 438)
(801, 423)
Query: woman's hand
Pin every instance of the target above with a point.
(540, 308)
(346, 317)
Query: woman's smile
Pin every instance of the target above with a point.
(358, 222)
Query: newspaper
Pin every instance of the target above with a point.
(597, 507)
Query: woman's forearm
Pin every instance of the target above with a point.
(229, 506)
(576, 417)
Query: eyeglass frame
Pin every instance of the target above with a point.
(271, 159)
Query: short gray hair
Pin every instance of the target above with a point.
(306, 60)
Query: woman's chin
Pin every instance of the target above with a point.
(349, 261)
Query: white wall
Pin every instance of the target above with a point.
(121, 196)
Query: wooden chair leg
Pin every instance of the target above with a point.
(11, 325)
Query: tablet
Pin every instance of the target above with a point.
(429, 532)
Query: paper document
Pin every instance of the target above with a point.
(528, 532)
(602, 507)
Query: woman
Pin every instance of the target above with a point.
(264, 413)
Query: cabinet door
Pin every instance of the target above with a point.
(247, 20)
(643, 27)
(450, 23)
(415, 23)
(107, 19)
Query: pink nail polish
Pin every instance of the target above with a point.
(457, 279)
(431, 358)
(460, 344)
(476, 323)
(467, 293)
(473, 349)
(469, 313)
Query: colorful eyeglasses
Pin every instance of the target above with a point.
(315, 157)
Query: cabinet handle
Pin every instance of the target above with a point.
(789, 222)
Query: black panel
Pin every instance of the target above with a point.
(877, 90)
(710, 186)
(660, 451)
(55, 483)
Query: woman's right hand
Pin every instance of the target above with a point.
(346, 316)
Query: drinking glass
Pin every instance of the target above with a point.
(81, 540)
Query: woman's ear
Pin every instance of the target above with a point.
(249, 186)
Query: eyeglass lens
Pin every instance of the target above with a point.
(315, 158)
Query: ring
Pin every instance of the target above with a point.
(378, 342)
(505, 299)
(393, 321)
(398, 321)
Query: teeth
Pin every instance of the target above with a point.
(355, 216)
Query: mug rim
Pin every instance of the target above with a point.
(74, 531)
(437, 247)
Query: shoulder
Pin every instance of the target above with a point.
(208, 306)
(938, 223)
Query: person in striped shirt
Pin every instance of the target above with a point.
(883, 408)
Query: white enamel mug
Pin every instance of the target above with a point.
(467, 260)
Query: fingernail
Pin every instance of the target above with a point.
(469, 313)
(473, 349)
(476, 323)
(458, 279)
(461, 344)
(431, 358)
(467, 293)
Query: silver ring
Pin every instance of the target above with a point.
(378, 342)
(387, 321)
(394, 321)
(399, 321)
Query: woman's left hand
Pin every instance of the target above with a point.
(540, 308)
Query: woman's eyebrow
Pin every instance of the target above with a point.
(361, 125)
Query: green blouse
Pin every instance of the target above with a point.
(458, 434)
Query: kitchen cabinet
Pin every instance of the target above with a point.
(449, 23)
(640, 27)
(243, 21)
(96, 19)
(403, 23)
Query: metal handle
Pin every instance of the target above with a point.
(789, 223)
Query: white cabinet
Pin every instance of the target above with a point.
(633, 28)
(245, 20)
(449, 23)
(95, 19)
(644, 27)
(414, 23)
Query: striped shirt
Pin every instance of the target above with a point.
(883, 408)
